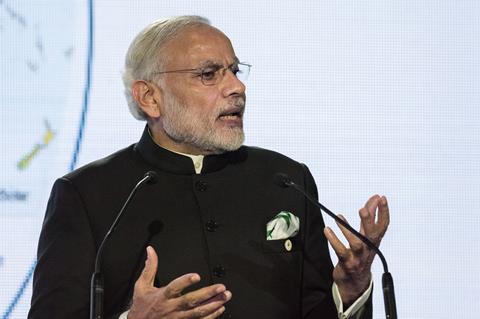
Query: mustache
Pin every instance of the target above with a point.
(235, 105)
(238, 101)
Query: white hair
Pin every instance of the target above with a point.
(144, 56)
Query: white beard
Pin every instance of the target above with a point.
(183, 125)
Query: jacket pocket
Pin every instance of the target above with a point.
(286, 245)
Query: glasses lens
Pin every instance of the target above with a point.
(210, 76)
(243, 71)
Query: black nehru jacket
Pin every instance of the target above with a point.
(213, 223)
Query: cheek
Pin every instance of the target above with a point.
(207, 103)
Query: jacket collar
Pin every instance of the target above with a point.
(166, 160)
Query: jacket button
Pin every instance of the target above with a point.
(201, 186)
(211, 225)
(219, 271)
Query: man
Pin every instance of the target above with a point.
(202, 228)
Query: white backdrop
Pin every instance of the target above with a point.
(374, 96)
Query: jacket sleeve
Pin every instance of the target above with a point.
(65, 257)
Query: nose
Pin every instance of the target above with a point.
(232, 85)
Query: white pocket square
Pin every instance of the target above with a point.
(283, 225)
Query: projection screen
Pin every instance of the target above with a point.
(374, 96)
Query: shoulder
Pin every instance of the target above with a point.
(117, 166)
(271, 158)
(268, 163)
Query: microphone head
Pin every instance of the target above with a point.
(152, 177)
(282, 180)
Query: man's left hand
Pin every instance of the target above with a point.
(352, 273)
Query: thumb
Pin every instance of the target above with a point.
(147, 276)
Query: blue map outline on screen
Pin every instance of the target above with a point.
(48, 134)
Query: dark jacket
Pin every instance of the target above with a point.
(213, 223)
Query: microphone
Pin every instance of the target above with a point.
(96, 284)
(283, 180)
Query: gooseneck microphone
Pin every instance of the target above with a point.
(96, 284)
(284, 180)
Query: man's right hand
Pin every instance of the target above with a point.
(150, 302)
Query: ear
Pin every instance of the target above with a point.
(148, 96)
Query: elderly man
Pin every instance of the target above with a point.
(202, 228)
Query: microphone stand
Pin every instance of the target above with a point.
(284, 180)
(96, 283)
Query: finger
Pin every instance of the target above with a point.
(355, 244)
(383, 215)
(216, 314)
(176, 286)
(337, 245)
(197, 297)
(367, 214)
(362, 229)
(367, 221)
(210, 308)
(147, 277)
(372, 204)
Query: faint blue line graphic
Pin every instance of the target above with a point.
(86, 92)
(20, 292)
(73, 163)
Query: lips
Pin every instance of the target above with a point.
(232, 117)
(233, 112)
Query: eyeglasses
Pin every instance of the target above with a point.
(214, 73)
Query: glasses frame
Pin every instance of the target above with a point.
(201, 72)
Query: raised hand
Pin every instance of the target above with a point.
(352, 273)
(150, 302)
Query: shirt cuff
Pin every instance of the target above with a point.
(123, 315)
(355, 307)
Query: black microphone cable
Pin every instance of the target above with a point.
(284, 180)
(96, 284)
